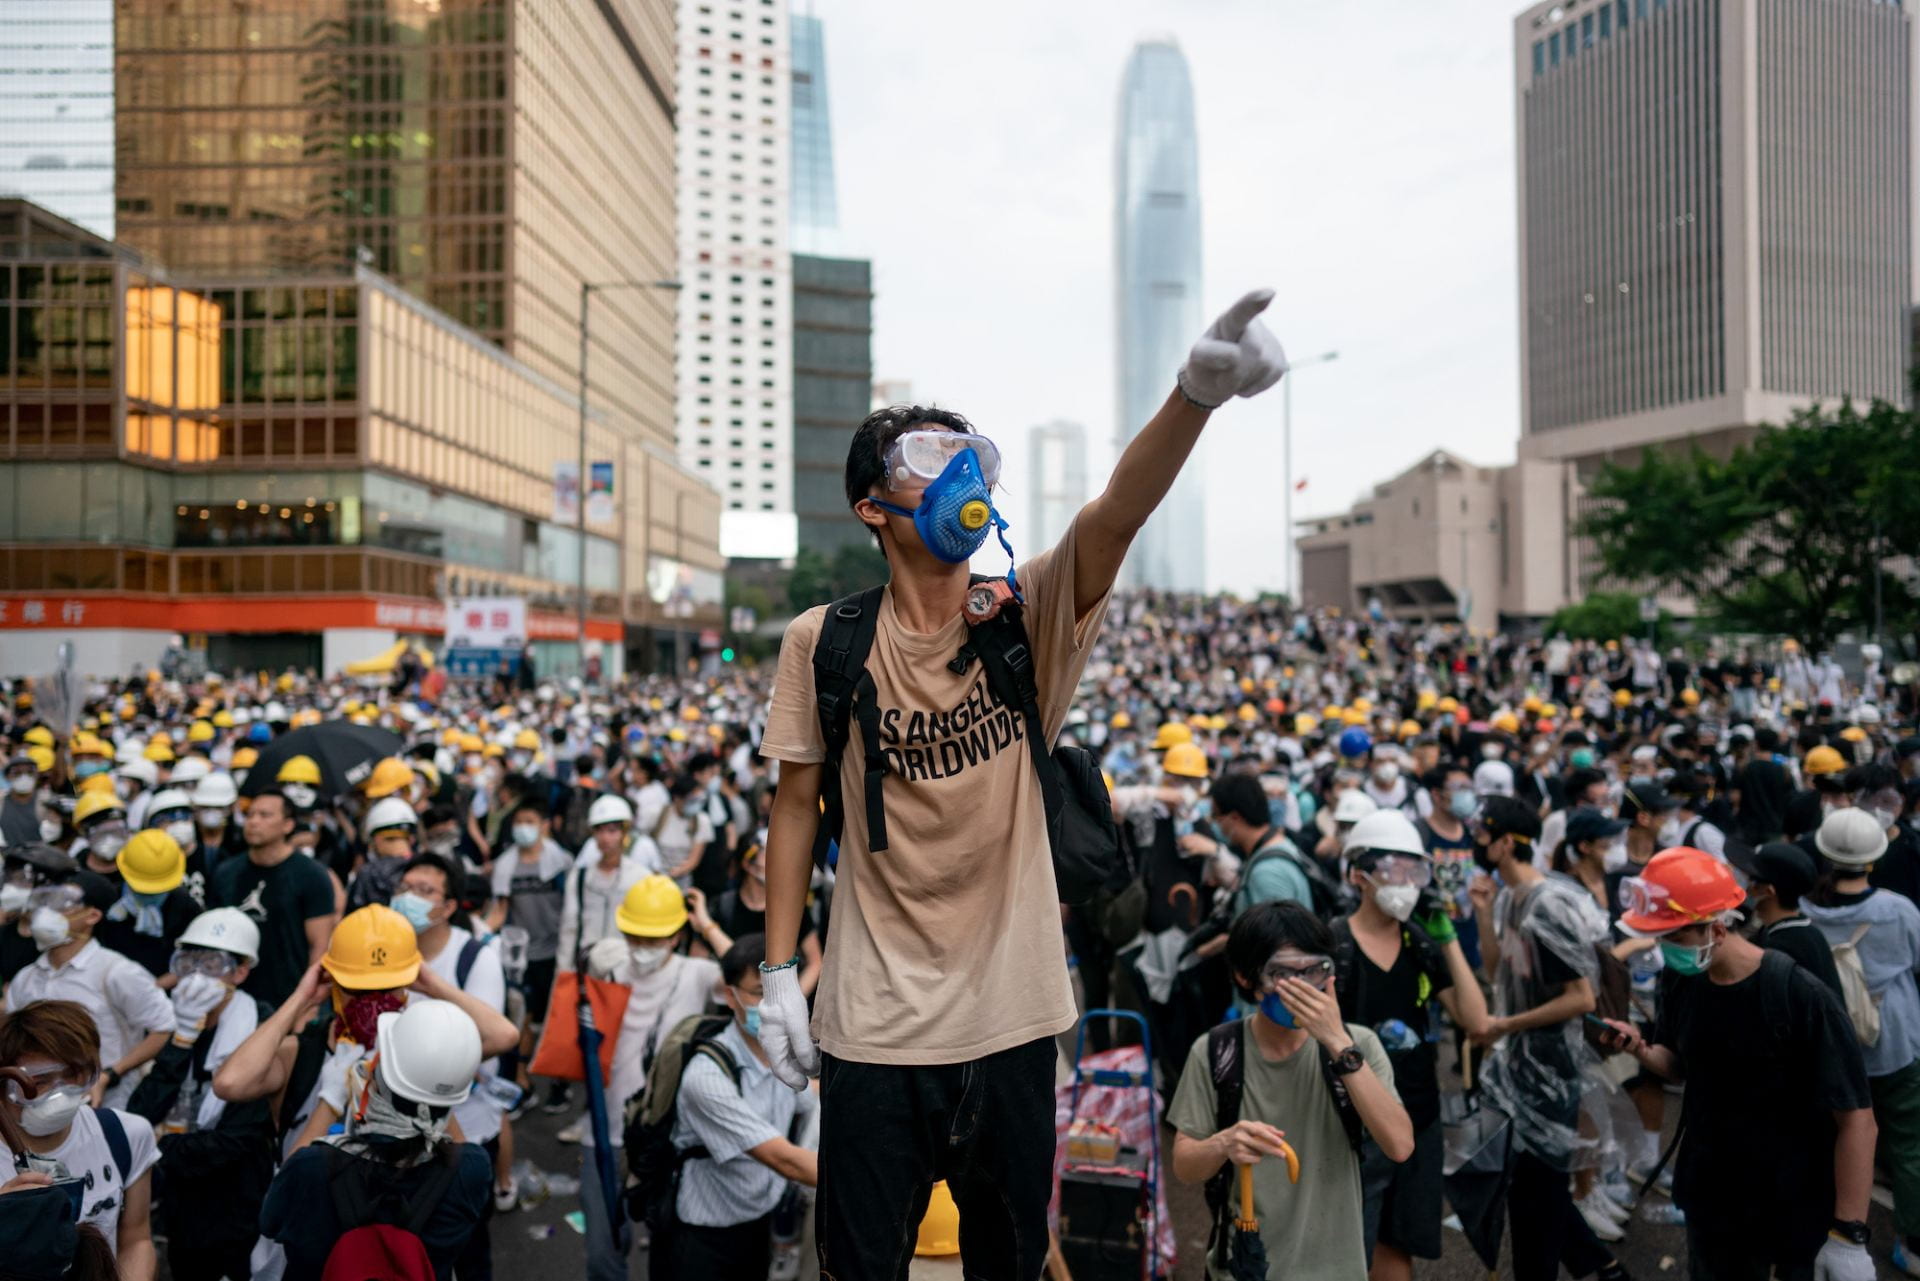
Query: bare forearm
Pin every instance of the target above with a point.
(1853, 1163)
(143, 1052)
(1574, 1000)
(1465, 1002)
(1150, 462)
(1196, 1160)
(790, 835)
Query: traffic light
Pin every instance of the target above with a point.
(726, 655)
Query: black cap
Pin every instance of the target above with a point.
(1645, 795)
(96, 890)
(1906, 747)
(1781, 864)
(1507, 815)
(1589, 824)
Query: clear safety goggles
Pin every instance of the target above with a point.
(202, 960)
(1643, 897)
(1401, 869)
(46, 1079)
(1316, 971)
(919, 457)
(61, 898)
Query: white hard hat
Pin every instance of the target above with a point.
(1493, 778)
(130, 751)
(390, 811)
(1353, 806)
(141, 770)
(274, 711)
(190, 769)
(174, 798)
(1384, 832)
(216, 791)
(1851, 837)
(428, 1053)
(226, 928)
(610, 809)
(1866, 714)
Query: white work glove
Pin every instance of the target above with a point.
(195, 997)
(784, 1033)
(1237, 356)
(605, 958)
(1842, 1261)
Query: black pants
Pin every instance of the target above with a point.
(1734, 1256)
(687, 1252)
(188, 1263)
(475, 1260)
(1547, 1231)
(887, 1134)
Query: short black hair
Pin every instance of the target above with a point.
(1511, 816)
(702, 761)
(454, 876)
(286, 806)
(1578, 781)
(529, 805)
(1264, 929)
(866, 455)
(438, 814)
(747, 953)
(1873, 777)
(1243, 796)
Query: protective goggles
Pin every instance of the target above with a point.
(202, 960)
(61, 898)
(919, 457)
(1399, 869)
(46, 1079)
(1642, 897)
(1313, 971)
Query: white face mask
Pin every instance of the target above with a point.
(1397, 901)
(648, 959)
(49, 928)
(239, 777)
(52, 1111)
(22, 784)
(526, 837)
(13, 898)
(182, 833)
(1615, 856)
(1386, 775)
(211, 818)
(49, 830)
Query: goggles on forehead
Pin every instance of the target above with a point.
(920, 456)
(61, 898)
(1643, 897)
(1397, 869)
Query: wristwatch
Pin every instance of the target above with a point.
(1348, 1061)
(1852, 1230)
(113, 1077)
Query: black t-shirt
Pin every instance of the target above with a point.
(1762, 1087)
(17, 951)
(1899, 868)
(1764, 792)
(736, 920)
(153, 954)
(1798, 938)
(281, 900)
(1404, 993)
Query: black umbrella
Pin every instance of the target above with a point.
(1248, 1261)
(1477, 1171)
(345, 752)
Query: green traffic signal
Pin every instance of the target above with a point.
(726, 655)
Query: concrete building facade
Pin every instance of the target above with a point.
(1056, 480)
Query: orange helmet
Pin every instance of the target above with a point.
(1679, 887)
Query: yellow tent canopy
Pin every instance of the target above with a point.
(388, 659)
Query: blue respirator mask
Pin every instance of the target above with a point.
(956, 512)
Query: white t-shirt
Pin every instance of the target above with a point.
(479, 1114)
(85, 1156)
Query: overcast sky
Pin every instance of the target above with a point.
(1358, 158)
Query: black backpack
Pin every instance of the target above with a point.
(653, 1163)
(1329, 903)
(1080, 828)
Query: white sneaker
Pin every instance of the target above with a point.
(1598, 1219)
(1608, 1206)
(507, 1196)
(573, 1133)
(1618, 1190)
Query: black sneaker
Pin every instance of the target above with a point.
(556, 1103)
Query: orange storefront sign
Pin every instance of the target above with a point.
(226, 614)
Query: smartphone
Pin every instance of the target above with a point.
(1601, 1024)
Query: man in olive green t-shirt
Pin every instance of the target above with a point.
(1282, 957)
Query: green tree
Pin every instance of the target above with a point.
(1785, 534)
(1607, 616)
(817, 579)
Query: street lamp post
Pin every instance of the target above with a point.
(587, 290)
(1286, 446)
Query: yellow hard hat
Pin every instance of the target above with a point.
(1773, 684)
(1506, 723)
(1332, 712)
(1171, 734)
(1622, 698)
(677, 735)
(1530, 705)
(243, 757)
(1246, 684)
(1354, 716)
(1549, 709)
(223, 719)
(1425, 700)
(1821, 760)
(95, 783)
(88, 744)
(372, 950)
(653, 909)
(527, 741)
(1854, 734)
(1409, 729)
(159, 750)
(1363, 705)
(152, 862)
(940, 1226)
(471, 743)
(1690, 696)
(285, 683)
(1248, 712)
(716, 732)
(389, 776)
(493, 749)
(42, 758)
(200, 732)
(127, 709)
(299, 769)
(689, 713)
(1184, 760)
(1449, 705)
(1216, 722)
(1305, 723)
(1121, 721)
(39, 736)
(98, 801)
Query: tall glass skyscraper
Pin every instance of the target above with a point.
(816, 211)
(1156, 237)
(56, 107)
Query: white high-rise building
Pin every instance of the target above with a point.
(734, 358)
(1056, 481)
(56, 107)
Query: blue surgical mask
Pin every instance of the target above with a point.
(88, 768)
(418, 911)
(750, 1022)
(1463, 803)
(956, 513)
(1271, 1007)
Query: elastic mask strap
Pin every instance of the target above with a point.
(1000, 528)
(889, 507)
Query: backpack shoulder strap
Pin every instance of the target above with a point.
(1227, 1067)
(839, 670)
(1342, 1098)
(1007, 657)
(425, 1201)
(1346, 963)
(116, 1136)
(469, 953)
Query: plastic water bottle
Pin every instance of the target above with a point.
(513, 952)
(1644, 968)
(1396, 1037)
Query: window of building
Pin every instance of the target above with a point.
(1553, 49)
(1539, 57)
(1606, 23)
(1586, 32)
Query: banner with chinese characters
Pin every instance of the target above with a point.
(485, 634)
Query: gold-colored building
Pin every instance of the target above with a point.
(361, 227)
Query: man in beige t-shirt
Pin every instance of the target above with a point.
(945, 978)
